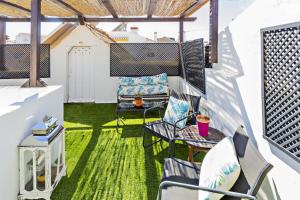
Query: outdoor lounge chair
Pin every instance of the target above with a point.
(166, 131)
(181, 178)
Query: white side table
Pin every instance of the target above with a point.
(41, 165)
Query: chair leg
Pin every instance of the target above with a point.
(118, 121)
(171, 149)
(143, 135)
(174, 149)
(148, 145)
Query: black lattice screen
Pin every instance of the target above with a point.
(139, 59)
(194, 63)
(15, 61)
(281, 87)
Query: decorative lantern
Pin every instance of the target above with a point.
(42, 164)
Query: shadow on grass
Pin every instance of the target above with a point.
(105, 164)
(154, 161)
(68, 186)
(83, 124)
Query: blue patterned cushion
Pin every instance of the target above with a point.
(143, 89)
(176, 110)
(144, 80)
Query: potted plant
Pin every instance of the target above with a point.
(203, 124)
(138, 101)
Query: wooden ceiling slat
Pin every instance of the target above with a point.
(193, 8)
(101, 8)
(48, 8)
(15, 6)
(109, 7)
(103, 19)
(129, 7)
(172, 7)
(68, 7)
(91, 8)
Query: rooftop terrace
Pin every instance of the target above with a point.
(246, 74)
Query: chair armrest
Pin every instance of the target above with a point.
(188, 116)
(194, 187)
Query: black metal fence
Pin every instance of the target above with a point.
(15, 61)
(139, 59)
(281, 87)
(194, 63)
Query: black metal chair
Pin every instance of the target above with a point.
(181, 178)
(164, 130)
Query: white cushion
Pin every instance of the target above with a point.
(220, 169)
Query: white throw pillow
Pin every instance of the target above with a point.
(220, 169)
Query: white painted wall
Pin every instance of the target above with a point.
(234, 89)
(20, 109)
(81, 36)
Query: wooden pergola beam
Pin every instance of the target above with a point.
(193, 8)
(2, 32)
(109, 7)
(99, 19)
(35, 43)
(214, 30)
(16, 7)
(181, 31)
(151, 8)
(2, 41)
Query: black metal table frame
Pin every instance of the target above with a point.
(157, 106)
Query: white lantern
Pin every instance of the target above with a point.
(42, 164)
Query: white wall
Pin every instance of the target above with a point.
(234, 89)
(81, 36)
(22, 108)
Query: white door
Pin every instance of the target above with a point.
(81, 75)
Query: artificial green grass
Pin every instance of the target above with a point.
(105, 164)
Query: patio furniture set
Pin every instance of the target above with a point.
(232, 168)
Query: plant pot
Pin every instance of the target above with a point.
(138, 102)
(203, 125)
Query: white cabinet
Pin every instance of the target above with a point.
(41, 164)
